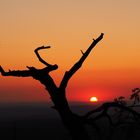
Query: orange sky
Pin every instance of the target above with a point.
(112, 69)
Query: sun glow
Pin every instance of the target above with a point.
(93, 99)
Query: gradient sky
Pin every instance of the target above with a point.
(111, 70)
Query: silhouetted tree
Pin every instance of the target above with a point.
(120, 100)
(135, 95)
(75, 124)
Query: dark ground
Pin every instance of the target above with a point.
(30, 122)
(40, 122)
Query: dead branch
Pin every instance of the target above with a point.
(108, 105)
(77, 65)
(39, 57)
(18, 73)
(26, 73)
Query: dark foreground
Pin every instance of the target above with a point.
(30, 122)
(40, 122)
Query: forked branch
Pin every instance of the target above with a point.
(78, 64)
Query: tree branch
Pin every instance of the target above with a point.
(18, 73)
(40, 59)
(32, 71)
(41, 75)
(108, 105)
(76, 66)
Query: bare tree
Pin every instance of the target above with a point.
(74, 123)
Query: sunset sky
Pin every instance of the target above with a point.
(113, 67)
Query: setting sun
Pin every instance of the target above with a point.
(93, 99)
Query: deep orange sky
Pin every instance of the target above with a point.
(112, 69)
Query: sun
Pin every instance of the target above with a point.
(93, 99)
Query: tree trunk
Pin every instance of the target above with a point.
(71, 121)
(75, 126)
